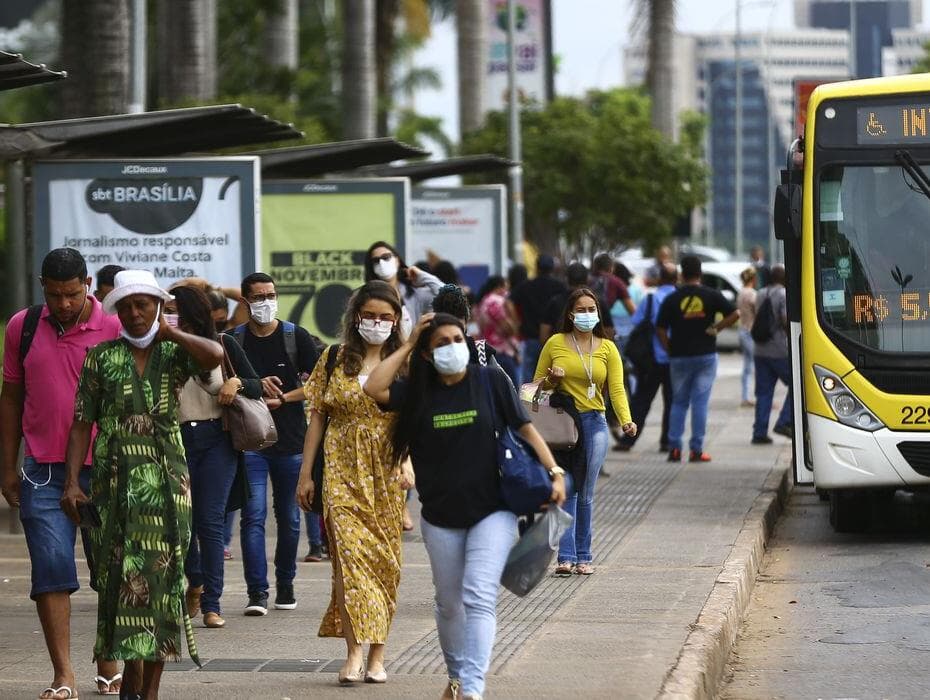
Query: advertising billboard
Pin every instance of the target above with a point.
(530, 49)
(464, 225)
(314, 238)
(177, 218)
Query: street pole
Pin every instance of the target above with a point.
(853, 30)
(139, 20)
(516, 172)
(738, 175)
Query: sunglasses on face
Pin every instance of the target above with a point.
(385, 257)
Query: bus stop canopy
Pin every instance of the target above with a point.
(17, 72)
(322, 158)
(429, 169)
(168, 132)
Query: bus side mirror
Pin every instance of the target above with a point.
(787, 212)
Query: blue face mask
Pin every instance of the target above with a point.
(451, 358)
(586, 321)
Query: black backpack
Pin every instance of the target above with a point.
(639, 347)
(30, 324)
(763, 326)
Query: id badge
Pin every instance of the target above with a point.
(592, 391)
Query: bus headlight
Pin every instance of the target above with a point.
(849, 410)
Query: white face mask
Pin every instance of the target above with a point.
(386, 269)
(263, 312)
(171, 320)
(451, 359)
(373, 332)
(144, 341)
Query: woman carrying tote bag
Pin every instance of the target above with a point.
(580, 361)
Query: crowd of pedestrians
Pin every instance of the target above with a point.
(121, 398)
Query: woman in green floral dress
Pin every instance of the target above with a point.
(129, 388)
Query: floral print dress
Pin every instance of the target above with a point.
(141, 488)
(362, 504)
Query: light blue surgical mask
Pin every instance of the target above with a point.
(586, 321)
(451, 358)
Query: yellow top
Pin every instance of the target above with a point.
(606, 368)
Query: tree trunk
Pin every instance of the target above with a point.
(659, 77)
(385, 51)
(281, 35)
(358, 69)
(187, 51)
(471, 28)
(95, 50)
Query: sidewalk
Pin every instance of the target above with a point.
(662, 534)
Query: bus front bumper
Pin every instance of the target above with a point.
(845, 457)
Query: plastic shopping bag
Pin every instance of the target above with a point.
(530, 557)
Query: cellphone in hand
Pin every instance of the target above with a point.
(89, 515)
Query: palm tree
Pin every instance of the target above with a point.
(95, 46)
(359, 92)
(471, 28)
(281, 35)
(186, 50)
(659, 17)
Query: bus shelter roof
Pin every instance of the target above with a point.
(429, 169)
(323, 158)
(17, 72)
(147, 134)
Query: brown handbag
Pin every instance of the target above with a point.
(249, 421)
(556, 426)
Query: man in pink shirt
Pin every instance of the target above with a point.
(37, 405)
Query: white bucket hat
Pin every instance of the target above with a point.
(129, 282)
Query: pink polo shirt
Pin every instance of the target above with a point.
(53, 367)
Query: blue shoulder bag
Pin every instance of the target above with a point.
(525, 483)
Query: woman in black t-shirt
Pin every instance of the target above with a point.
(445, 425)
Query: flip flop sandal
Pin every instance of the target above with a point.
(584, 569)
(564, 569)
(55, 691)
(109, 683)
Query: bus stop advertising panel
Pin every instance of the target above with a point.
(464, 225)
(176, 218)
(314, 238)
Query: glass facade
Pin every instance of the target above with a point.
(874, 21)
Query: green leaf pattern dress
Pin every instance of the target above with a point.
(141, 487)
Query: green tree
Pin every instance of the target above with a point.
(923, 65)
(596, 170)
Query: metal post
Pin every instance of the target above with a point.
(738, 174)
(516, 172)
(18, 271)
(139, 20)
(853, 43)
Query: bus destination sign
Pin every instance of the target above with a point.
(904, 123)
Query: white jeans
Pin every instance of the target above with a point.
(467, 566)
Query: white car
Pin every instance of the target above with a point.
(724, 277)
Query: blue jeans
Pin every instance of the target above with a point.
(228, 528)
(692, 379)
(211, 462)
(314, 533)
(283, 470)
(532, 349)
(49, 532)
(510, 367)
(575, 545)
(467, 565)
(746, 346)
(768, 371)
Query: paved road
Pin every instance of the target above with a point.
(662, 533)
(838, 616)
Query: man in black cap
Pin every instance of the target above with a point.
(531, 300)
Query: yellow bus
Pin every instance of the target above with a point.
(853, 211)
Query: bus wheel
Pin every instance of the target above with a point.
(849, 510)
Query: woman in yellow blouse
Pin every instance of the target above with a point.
(581, 360)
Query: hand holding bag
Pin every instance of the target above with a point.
(525, 483)
(248, 421)
(557, 427)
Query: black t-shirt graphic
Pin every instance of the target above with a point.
(269, 358)
(686, 314)
(455, 453)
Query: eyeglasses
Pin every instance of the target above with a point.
(258, 298)
(385, 257)
(378, 318)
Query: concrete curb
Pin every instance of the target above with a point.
(699, 669)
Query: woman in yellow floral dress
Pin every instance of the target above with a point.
(363, 496)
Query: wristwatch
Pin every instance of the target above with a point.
(556, 471)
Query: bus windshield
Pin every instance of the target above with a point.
(873, 253)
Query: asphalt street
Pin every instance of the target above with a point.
(838, 615)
